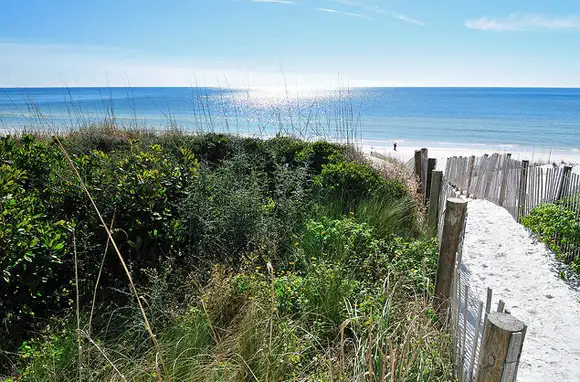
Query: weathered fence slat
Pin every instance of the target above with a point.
(523, 188)
(516, 186)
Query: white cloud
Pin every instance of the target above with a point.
(328, 10)
(524, 22)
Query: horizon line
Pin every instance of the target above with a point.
(301, 87)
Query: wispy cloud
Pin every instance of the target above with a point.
(328, 10)
(374, 6)
(407, 19)
(275, 1)
(524, 22)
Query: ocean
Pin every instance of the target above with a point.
(498, 117)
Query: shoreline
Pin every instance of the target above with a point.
(441, 151)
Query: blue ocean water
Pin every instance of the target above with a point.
(524, 117)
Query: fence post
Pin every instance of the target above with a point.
(433, 209)
(418, 170)
(523, 188)
(471, 167)
(431, 164)
(504, 179)
(501, 348)
(453, 223)
(562, 185)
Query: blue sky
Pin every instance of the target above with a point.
(305, 43)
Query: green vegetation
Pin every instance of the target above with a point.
(559, 227)
(264, 260)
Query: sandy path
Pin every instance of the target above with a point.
(499, 253)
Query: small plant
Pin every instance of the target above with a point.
(559, 228)
(347, 183)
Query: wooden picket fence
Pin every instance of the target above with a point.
(518, 187)
(487, 344)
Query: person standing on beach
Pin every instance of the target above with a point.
(395, 146)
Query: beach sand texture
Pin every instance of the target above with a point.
(441, 153)
(499, 253)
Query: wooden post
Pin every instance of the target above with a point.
(470, 169)
(418, 169)
(451, 237)
(501, 348)
(523, 188)
(562, 184)
(433, 211)
(504, 179)
(431, 163)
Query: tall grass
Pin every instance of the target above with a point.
(242, 338)
(329, 115)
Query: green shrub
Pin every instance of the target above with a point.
(232, 210)
(416, 260)
(558, 227)
(212, 148)
(343, 241)
(51, 358)
(346, 183)
(321, 153)
(33, 247)
(285, 149)
(327, 290)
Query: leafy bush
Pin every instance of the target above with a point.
(33, 245)
(558, 227)
(327, 291)
(232, 210)
(321, 153)
(211, 148)
(342, 241)
(416, 259)
(346, 183)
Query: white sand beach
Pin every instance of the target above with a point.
(501, 254)
(405, 152)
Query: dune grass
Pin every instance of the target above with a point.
(252, 259)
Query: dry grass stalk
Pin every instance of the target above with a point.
(110, 236)
(78, 309)
(272, 311)
(99, 277)
(105, 356)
